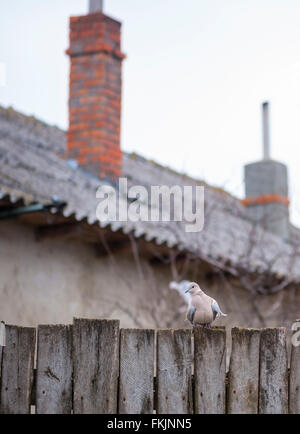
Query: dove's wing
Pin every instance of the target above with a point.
(191, 314)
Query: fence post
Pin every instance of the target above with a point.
(174, 372)
(273, 388)
(136, 371)
(95, 365)
(17, 370)
(54, 370)
(210, 370)
(244, 372)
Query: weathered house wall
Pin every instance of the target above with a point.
(52, 281)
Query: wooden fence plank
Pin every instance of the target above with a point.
(54, 370)
(273, 393)
(2, 344)
(95, 365)
(2, 334)
(210, 370)
(294, 389)
(0, 364)
(174, 372)
(243, 388)
(136, 371)
(17, 370)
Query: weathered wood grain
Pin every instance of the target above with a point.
(273, 392)
(136, 371)
(209, 370)
(243, 387)
(54, 370)
(2, 343)
(294, 387)
(17, 370)
(2, 334)
(174, 372)
(95, 365)
(258, 378)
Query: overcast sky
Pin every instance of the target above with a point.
(195, 76)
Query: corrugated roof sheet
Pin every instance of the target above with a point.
(31, 170)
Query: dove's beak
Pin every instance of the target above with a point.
(187, 290)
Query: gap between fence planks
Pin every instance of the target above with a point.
(93, 367)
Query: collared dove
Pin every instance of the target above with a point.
(202, 310)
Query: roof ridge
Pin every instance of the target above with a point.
(221, 190)
(11, 113)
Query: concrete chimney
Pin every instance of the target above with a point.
(266, 183)
(95, 93)
(266, 133)
(95, 6)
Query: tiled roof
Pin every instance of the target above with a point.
(32, 169)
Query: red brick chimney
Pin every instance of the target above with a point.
(95, 93)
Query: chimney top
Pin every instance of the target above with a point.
(95, 6)
(266, 134)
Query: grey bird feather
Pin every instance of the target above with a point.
(216, 309)
(191, 313)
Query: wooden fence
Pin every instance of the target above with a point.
(93, 367)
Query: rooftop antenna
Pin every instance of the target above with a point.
(95, 6)
(266, 135)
